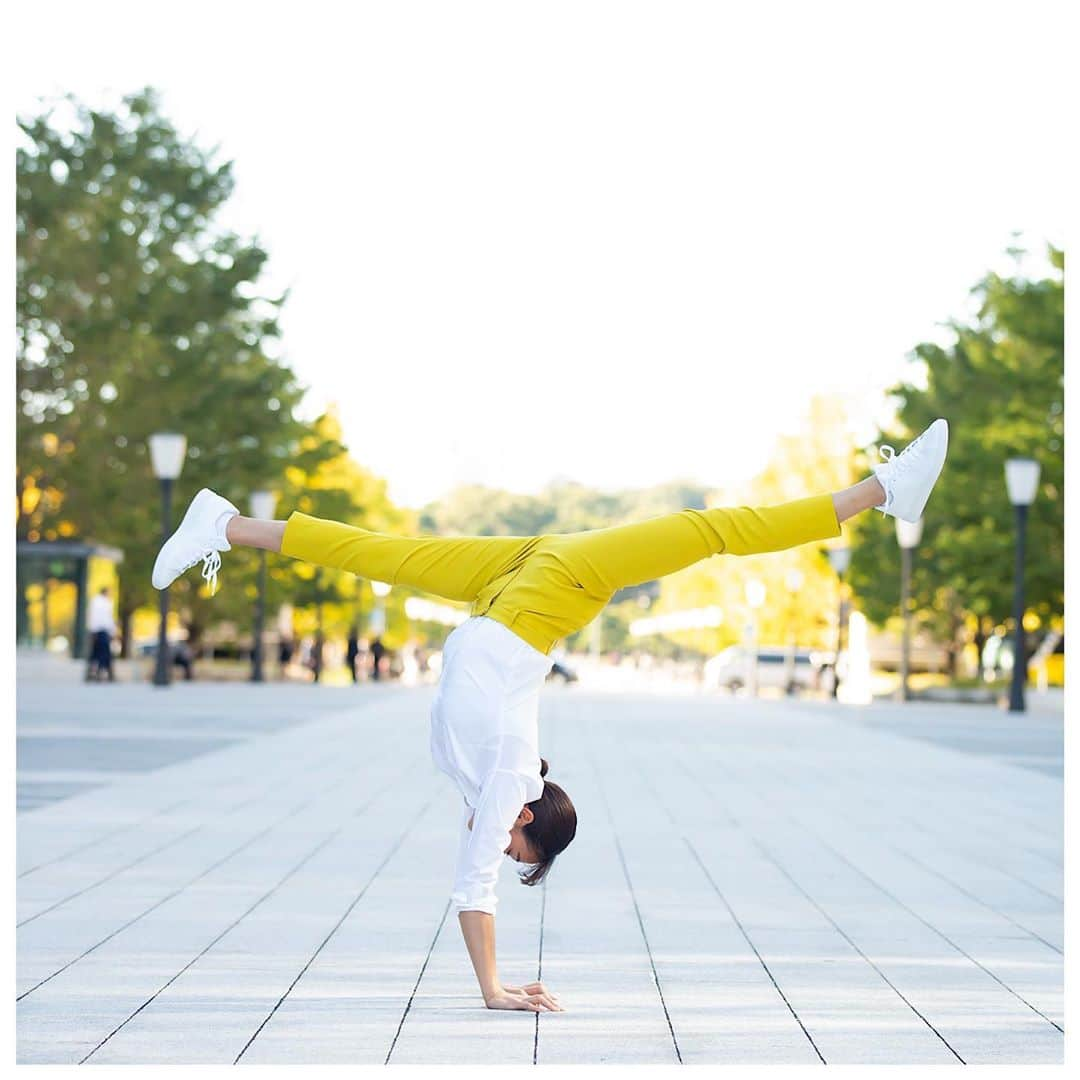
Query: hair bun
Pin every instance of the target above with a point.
(543, 767)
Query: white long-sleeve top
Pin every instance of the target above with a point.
(100, 615)
(484, 736)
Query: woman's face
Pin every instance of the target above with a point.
(519, 848)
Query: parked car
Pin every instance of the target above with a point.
(731, 669)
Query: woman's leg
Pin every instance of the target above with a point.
(252, 532)
(455, 568)
(605, 560)
(864, 495)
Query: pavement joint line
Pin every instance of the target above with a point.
(794, 781)
(731, 911)
(633, 896)
(222, 811)
(882, 805)
(944, 937)
(980, 860)
(540, 965)
(978, 899)
(235, 778)
(106, 836)
(240, 918)
(1031, 815)
(843, 933)
(949, 881)
(839, 929)
(930, 926)
(918, 730)
(750, 942)
(176, 892)
(419, 979)
(334, 929)
(975, 817)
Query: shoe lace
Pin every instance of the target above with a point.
(898, 462)
(211, 565)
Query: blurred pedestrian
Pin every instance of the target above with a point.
(316, 661)
(378, 651)
(285, 651)
(352, 651)
(183, 657)
(102, 626)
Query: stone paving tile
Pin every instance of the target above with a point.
(751, 883)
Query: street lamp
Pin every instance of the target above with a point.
(1022, 480)
(839, 559)
(755, 597)
(167, 450)
(908, 535)
(262, 508)
(793, 579)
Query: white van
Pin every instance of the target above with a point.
(731, 669)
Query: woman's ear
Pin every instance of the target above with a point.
(525, 817)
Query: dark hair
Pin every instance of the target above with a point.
(553, 826)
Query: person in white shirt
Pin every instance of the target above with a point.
(527, 593)
(102, 626)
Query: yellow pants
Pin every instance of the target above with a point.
(546, 587)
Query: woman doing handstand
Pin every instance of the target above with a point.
(525, 594)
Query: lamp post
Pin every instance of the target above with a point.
(839, 559)
(262, 508)
(167, 450)
(793, 579)
(908, 535)
(755, 597)
(378, 616)
(1022, 481)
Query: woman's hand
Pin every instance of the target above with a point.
(533, 997)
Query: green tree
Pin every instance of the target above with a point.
(136, 312)
(1000, 384)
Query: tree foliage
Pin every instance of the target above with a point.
(1000, 384)
(137, 312)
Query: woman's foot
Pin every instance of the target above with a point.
(201, 535)
(908, 478)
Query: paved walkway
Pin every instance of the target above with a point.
(260, 874)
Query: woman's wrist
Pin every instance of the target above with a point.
(491, 990)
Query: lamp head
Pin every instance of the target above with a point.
(1022, 480)
(167, 450)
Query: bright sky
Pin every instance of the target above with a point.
(617, 242)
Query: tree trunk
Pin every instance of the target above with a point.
(127, 616)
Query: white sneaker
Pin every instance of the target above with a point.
(201, 535)
(909, 477)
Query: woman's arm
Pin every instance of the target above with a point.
(478, 929)
(480, 854)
